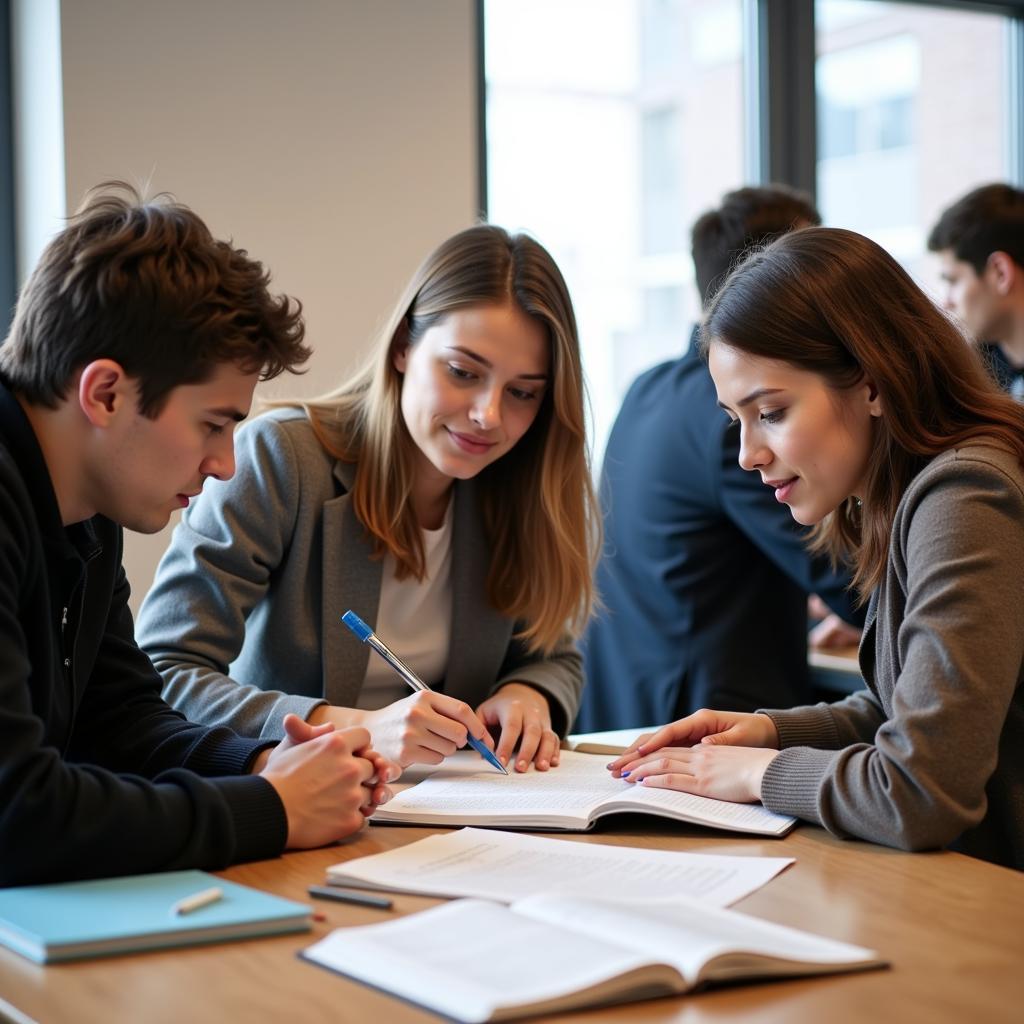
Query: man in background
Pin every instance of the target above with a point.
(704, 575)
(980, 244)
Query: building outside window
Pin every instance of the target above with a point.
(611, 125)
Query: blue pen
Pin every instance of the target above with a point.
(367, 635)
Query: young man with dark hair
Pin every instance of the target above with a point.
(980, 243)
(702, 570)
(135, 348)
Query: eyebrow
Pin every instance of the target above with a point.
(469, 353)
(752, 397)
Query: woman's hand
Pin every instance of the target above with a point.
(423, 728)
(726, 728)
(706, 769)
(523, 715)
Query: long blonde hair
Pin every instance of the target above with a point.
(537, 502)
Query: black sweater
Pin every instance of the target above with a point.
(98, 776)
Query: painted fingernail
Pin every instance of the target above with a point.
(625, 775)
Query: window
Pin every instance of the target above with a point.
(611, 126)
(911, 115)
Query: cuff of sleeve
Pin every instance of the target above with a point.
(804, 727)
(258, 815)
(288, 704)
(792, 782)
(222, 751)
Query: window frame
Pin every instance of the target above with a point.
(8, 254)
(779, 90)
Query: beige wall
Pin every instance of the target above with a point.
(333, 139)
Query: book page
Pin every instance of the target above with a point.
(690, 935)
(572, 790)
(464, 793)
(469, 958)
(723, 813)
(506, 866)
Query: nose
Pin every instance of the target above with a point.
(486, 411)
(754, 454)
(220, 463)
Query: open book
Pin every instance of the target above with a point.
(571, 797)
(472, 960)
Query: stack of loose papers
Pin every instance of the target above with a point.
(507, 866)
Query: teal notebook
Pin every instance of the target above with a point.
(69, 920)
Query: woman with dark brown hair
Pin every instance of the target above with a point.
(861, 405)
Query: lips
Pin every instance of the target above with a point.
(470, 444)
(783, 488)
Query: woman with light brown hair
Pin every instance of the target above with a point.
(865, 410)
(442, 494)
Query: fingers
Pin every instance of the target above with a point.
(674, 770)
(523, 725)
(299, 731)
(629, 754)
(547, 751)
(453, 714)
(529, 740)
(510, 718)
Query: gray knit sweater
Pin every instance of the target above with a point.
(931, 754)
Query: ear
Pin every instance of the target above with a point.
(105, 391)
(874, 400)
(1001, 272)
(400, 348)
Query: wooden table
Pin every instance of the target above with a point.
(835, 671)
(952, 927)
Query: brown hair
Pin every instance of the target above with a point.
(537, 502)
(836, 304)
(147, 285)
(988, 219)
(747, 217)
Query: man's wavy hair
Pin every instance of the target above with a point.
(145, 284)
(834, 303)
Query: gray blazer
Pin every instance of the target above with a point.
(244, 617)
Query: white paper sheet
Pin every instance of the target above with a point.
(507, 866)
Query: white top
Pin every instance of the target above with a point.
(414, 619)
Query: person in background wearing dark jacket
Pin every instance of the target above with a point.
(980, 244)
(135, 348)
(702, 569)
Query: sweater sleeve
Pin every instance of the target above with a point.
(217, 569)
(951, 610)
